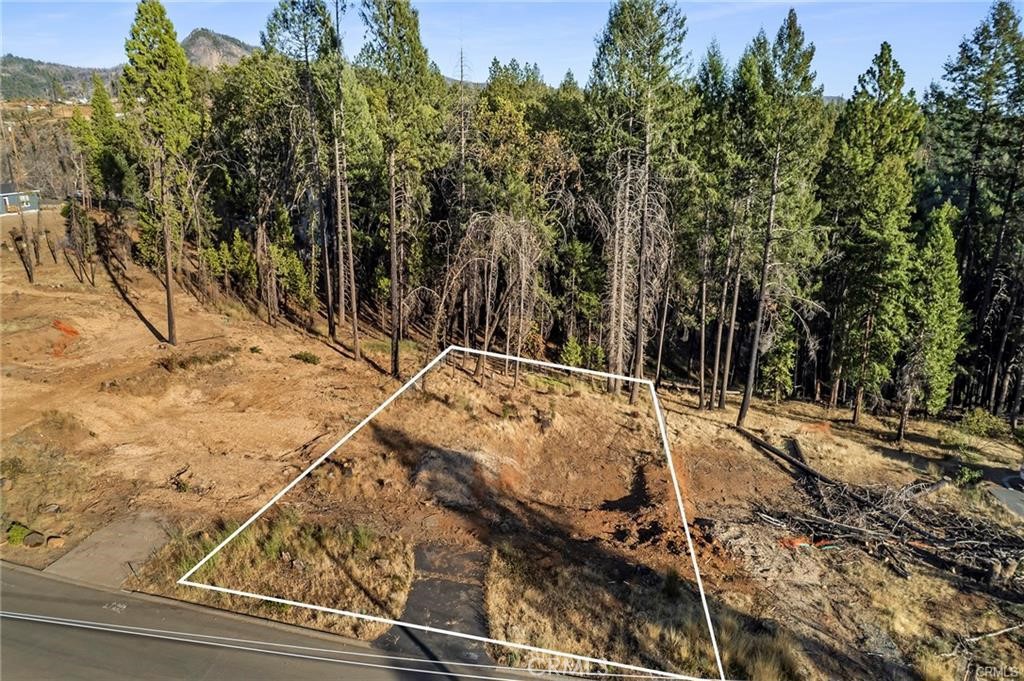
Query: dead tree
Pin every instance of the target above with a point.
(637, 239)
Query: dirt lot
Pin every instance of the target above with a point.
(102, 420)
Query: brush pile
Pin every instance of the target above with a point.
(901, 525)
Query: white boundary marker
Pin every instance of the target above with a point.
(185, 581)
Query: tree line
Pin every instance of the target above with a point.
(722, 224)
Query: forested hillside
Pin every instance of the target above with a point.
(32, 79)
(721, 225)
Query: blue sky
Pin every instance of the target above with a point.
(557, 35)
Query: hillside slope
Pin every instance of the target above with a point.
(22, 78)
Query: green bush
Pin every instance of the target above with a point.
(16, 534)
(362, 538)
(953, 437)
(593, 357)
(966, 476)
(980, 423)
(572, 353)
(307, 357)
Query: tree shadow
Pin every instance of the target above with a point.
(126, 297)
(537, 530)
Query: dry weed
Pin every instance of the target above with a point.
(576, 609)
(286, 556)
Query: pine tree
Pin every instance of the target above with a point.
(868, 189)
(338, 83)
(936, 319)
(715, 162)
(643, 112)
(975, 149)
(115, 174)
(301, 31)
(158, 106)
(784, 128)
(405, 89)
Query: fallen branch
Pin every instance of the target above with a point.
(894, 526)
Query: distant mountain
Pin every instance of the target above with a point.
(22, 78)
(210, 49)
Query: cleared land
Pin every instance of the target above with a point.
(101, 421)
(552, 468)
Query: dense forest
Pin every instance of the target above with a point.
(720, 225)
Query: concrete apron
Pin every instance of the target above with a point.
(448, 594)
(108, 556)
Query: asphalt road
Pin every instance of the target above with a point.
(55, 629)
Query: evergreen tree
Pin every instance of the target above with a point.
(975, 149)
(936, 319)
(784, 128)
(715, 167)
(868, 188)
(301, 31)
(404, 91)
(643, 114)
(158, 107)
(112, 152)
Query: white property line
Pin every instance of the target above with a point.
(185, 581)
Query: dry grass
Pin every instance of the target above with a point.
(576, 609)
(28, 460)
(184, 362)
(344, 567)
(933, 667)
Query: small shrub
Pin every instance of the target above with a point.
(966, 476)
(307, 357)
(362, 538)
(11, 467)
(593, 357)
(16, 534)
(176, 362)
(980, 423)
(256, 350)
(572, 353)
(1018, 435)
(954, 438)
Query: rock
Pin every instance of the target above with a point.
(299, 565)
(454, 478)
(286, 557)
(33, 539)
(50, 508)
(55, 542)
(6, 484)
